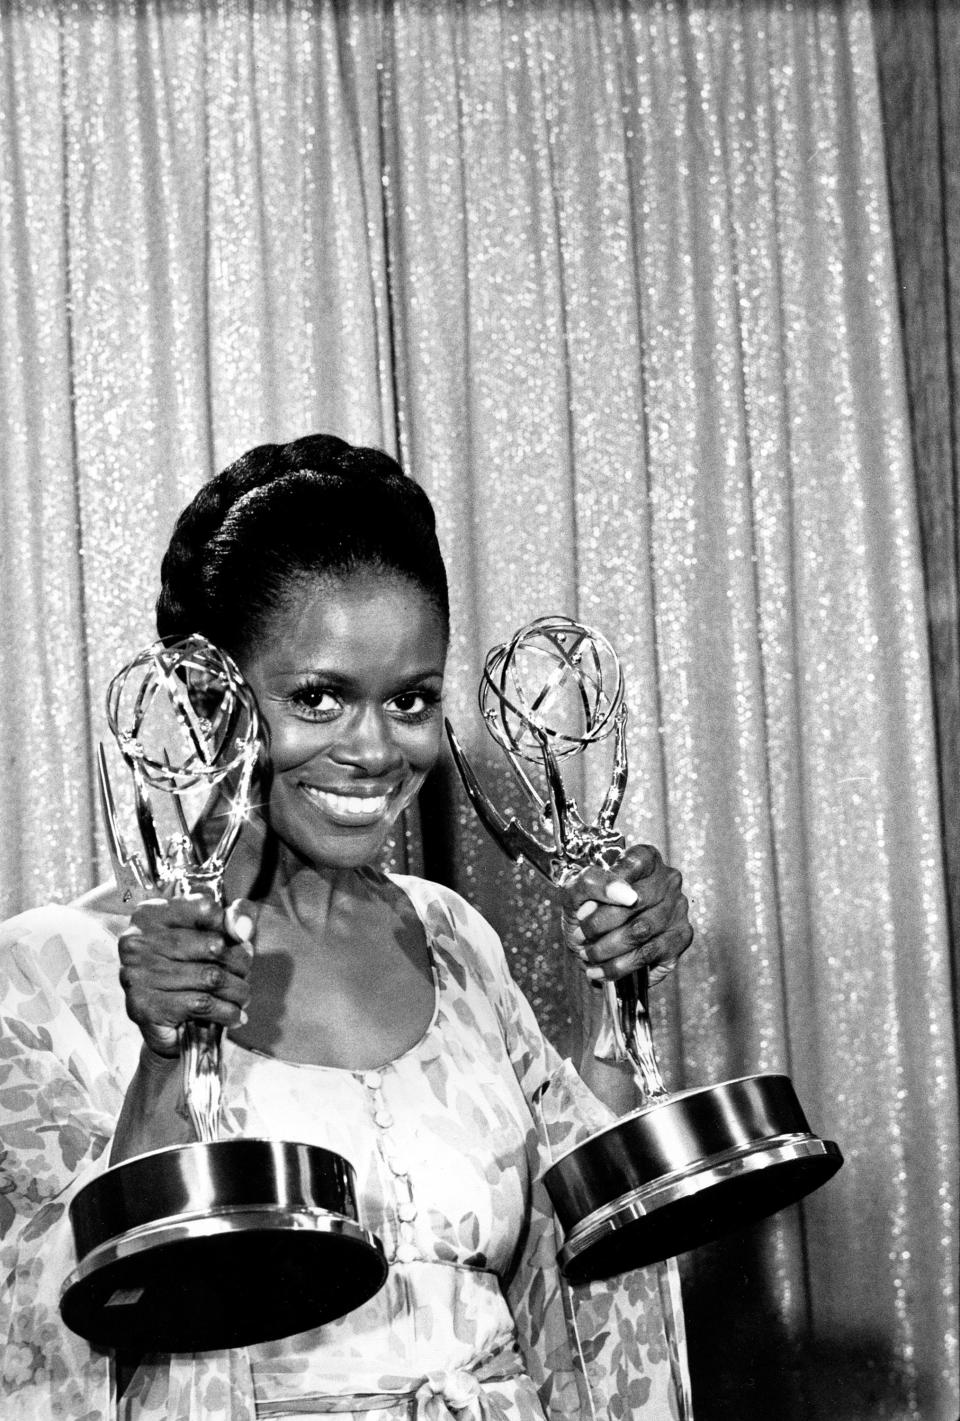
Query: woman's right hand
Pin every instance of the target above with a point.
(183, 958)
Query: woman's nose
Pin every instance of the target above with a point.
(367, 741)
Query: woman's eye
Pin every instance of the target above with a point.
(415, 705)
(314, 702)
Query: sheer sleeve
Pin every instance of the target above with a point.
(66, 1052)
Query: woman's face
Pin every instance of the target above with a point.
(348, 679)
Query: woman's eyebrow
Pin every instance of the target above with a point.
(338, 679)
(316, 673)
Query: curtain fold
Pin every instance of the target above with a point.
(615, 281)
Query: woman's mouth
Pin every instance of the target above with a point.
(348, 808)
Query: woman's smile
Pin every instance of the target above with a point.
(349, 808)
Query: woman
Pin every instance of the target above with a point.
(369, 1013)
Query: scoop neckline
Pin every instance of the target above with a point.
(361, 1071)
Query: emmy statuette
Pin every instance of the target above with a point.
(684, 1168)
(219, 1243)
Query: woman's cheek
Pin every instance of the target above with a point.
(293, 743)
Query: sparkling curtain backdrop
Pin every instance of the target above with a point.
(615, 281)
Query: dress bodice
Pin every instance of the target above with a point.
(439, 1141)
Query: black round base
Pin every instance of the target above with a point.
(670, 1217)
(225, 1279)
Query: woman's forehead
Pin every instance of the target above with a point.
(367, 615)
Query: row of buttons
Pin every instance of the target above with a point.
(407, 1251)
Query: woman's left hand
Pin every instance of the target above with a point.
(633, 915)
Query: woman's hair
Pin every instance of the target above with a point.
(281, 516)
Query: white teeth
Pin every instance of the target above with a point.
(348, 804)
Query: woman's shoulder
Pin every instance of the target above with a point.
(55, 939)
(452, 921)
(72, 920)
(60, 988)
(428, 896)
(106, 905)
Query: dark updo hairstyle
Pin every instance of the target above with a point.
(281, 516)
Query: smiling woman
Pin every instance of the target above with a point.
(369, 1013)
(350, 689)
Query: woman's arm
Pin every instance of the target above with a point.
(151, 1116)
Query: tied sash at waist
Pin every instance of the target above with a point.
(455, 1395)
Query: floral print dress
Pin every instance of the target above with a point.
(449, 1142)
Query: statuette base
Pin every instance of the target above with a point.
(684, 1171)
(206, 1246)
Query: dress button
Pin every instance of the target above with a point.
(406, 1253)
(372, 1079)
(407, 1212)
(383, 1118)
(395, 1165)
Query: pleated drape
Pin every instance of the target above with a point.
(615, 281)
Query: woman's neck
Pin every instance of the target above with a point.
(264, 870)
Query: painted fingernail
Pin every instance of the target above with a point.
(239, 925)
(585, 909)
(594, 974)
(619, 892)
(243, 1018)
